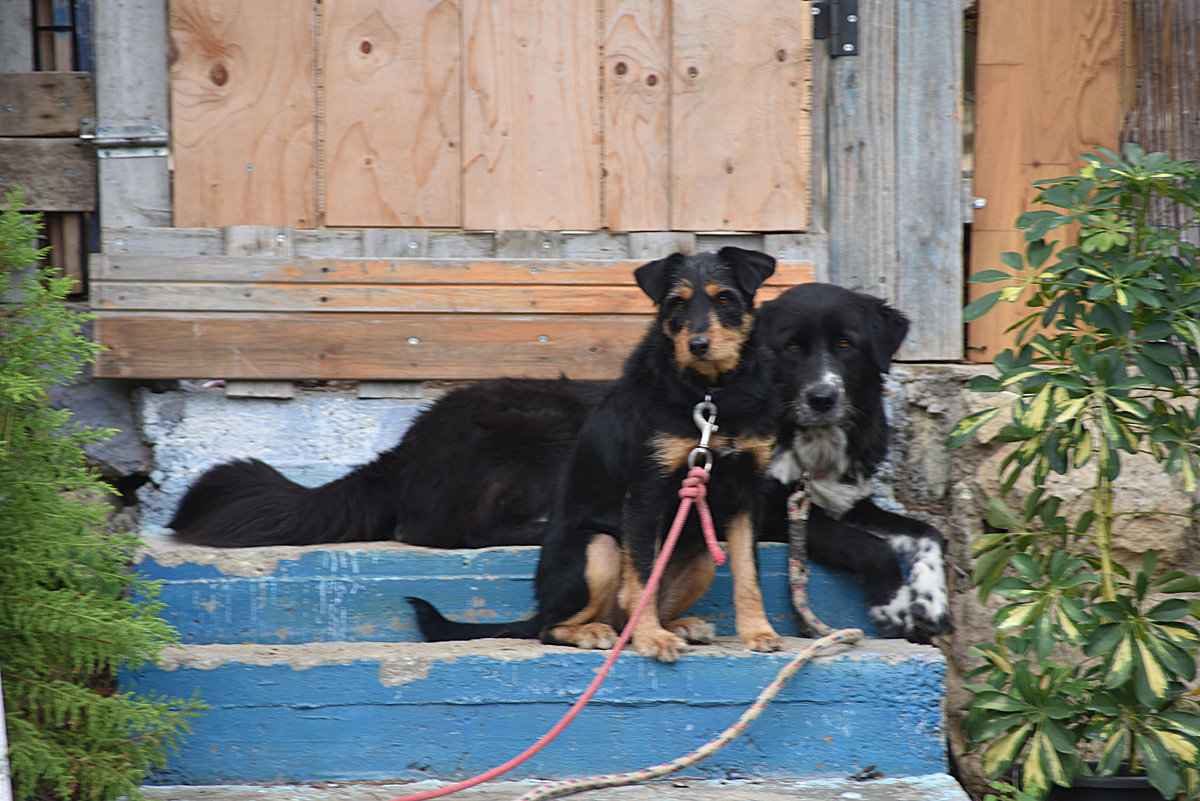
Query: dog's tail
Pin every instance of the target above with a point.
(436, 628)
(248, 503)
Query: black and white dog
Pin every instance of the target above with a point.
(832, 347)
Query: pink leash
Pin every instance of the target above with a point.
(694, 491)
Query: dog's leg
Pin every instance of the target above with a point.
(683, 587)
(753, 628)
(589, 627)
(649, 638)
(871, 541)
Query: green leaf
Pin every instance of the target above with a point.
(980, 306)
(966, 427)
(999, 756)
(989, 276)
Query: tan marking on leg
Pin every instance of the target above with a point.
(753, 627)
(684, 587)
(590, 627)
(649, 638)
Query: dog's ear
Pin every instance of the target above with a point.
(655, 276)
(891, 326)
(751, 268)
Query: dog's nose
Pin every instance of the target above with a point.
(698, 345)
(822, 400)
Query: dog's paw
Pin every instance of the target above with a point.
(925, 626)
(661, 645)
(692, 629)
(761, 640)
(600, 636)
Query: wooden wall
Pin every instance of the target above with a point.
(1047, 84)
(492, 114)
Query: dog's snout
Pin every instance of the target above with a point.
(822, 399)
(699, 345)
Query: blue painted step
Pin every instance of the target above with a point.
(355, 593)
(446, 711)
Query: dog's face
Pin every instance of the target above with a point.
(829, 346)
(706, 304)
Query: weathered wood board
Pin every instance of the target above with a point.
(45, 103)
(54, 174)
(278, 317)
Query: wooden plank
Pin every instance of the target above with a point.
(370, 347)
(131, 89)
(242, 113)
(183, 296)
(45, 103)
(54, 174)
(16, 36)
(929, 209)
(862, 178)
(636, 90)
(1035, 67)
(142, 267)
(1164, 86)
(392, 113)
(531, 117)
(739, 116)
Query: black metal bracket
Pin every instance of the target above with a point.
(836, 21)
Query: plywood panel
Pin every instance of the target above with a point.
(739, 132)
(636, 86)
(242, 113)
(1047, 93)
(371, 347)
(392, 116)
(531, 116)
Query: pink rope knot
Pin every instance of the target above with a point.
(695, 491)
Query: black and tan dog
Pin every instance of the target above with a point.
(619, 491)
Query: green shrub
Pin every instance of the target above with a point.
(67, 620)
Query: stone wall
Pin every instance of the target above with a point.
(951, 488)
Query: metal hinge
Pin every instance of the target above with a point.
(837, 22)
(126, 141)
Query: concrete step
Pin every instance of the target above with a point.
(355, 592)
(363, 711)
(933, 787)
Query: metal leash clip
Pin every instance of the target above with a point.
(705, 415)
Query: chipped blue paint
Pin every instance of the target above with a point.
(358, 596)
(465, 714)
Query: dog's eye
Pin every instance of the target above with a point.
(723, 299)
(843, 343)
(793, 345)
(677, 303)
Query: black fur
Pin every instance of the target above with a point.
(475, 469)
(619, 489)
(831, 349)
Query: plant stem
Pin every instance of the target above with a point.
(1102, 496)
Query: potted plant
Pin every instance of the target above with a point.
(1090, 668)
